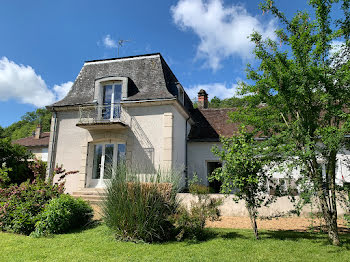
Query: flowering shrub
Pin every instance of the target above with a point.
(38, 167)
(21, 205)
(63, 214)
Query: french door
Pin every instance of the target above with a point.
(112, 94)
(105, 159)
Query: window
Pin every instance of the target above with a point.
(214, 185)
(112, 94)
(106, 157)
(109, 92)
(181, 93)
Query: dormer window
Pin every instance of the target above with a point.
(109, 92)
(181, 93)
(112, 95)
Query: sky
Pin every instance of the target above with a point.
(44, 43)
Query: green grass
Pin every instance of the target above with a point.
(97, 244)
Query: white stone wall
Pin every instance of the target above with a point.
(230, 208)
(199, 153)
(69, 146)
(154, 137)
(39, 152)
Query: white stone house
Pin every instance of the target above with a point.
(37, 144)
(133, 108)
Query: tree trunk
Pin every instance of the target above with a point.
(252, 215)
(328, 200)
(330, 218)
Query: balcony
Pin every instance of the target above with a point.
(108, 116)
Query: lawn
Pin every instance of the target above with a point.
(97, 244)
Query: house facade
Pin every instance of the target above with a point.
(37, 144)
(134, 109)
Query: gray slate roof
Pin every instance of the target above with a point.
(149, 78)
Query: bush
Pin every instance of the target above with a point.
(4, 178)
(63, 214)
(190, 223)
(139, 211)
(20, 206)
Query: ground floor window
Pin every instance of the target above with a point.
(214, 185)
(105, 159)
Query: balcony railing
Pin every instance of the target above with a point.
(101, 114)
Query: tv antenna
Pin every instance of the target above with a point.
(121, 43)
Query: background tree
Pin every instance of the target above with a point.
(15, 158)
(302, 85)
(27, 124)
(244, 173)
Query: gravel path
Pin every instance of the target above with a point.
(290, 223)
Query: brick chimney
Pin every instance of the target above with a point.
(202, 99)
(37, 132)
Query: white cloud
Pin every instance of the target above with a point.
(109, 42)
(223, 30)
(21, 83)
(62, 90)
(219, 90)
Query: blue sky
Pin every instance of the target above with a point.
(45, 43)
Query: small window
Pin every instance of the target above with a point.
(214, 185)
(181, 94)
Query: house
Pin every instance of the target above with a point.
(133, 109)
(37, 144)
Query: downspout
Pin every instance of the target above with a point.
(186, 160)
(53, 148)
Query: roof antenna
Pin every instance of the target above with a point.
(120, 44)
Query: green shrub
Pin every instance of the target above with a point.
(4, 178)
(20, 206)
(190, 223)
(63, 214)
(139, 211)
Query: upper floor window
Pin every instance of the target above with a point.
(112, 94)
(109, 92)
(181, 93)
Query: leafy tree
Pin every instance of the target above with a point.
(28, 123)
(244, 172)
(15, 158)
(216, 102)
(301, 96)
(2, 135)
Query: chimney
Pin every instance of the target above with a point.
(202, 99)
(37, 131)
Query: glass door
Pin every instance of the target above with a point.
(106, 157)
(112, 95)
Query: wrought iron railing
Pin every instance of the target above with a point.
(101, 113)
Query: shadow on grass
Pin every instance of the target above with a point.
(315, 237)
(92, 224)
(210, 234)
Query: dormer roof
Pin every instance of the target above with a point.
(149, 78)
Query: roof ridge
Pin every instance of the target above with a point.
(124, 57)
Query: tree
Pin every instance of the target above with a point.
(244, 172)
(15, 158)
(303, 85)
(2, 135)
(28, 123)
